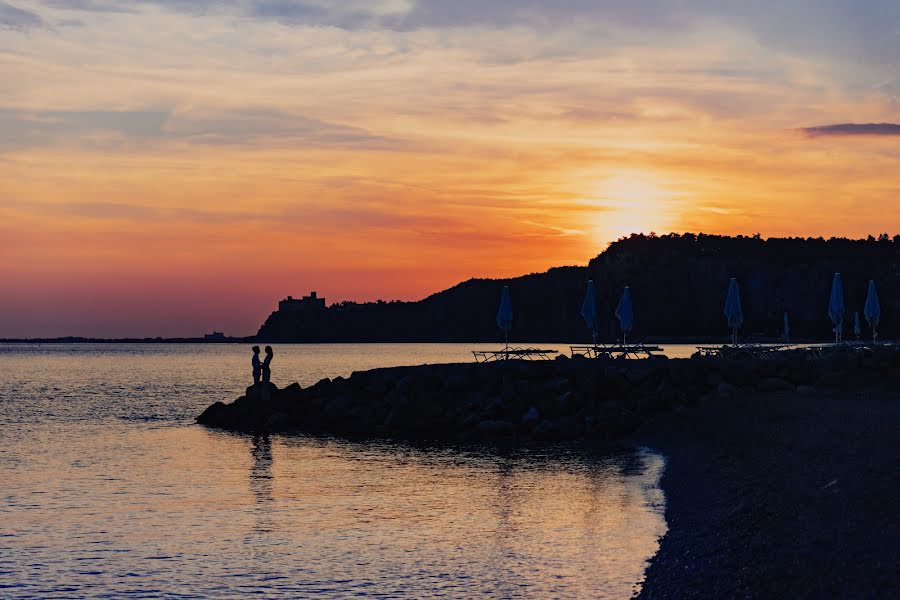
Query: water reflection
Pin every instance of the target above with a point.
(110, 491)
(261, 483)
(546, 521)
(261, 469)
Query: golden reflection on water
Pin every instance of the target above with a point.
(108, 489)
(184, 509)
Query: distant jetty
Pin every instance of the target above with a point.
(562, 399)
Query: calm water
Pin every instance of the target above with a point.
(109, 489)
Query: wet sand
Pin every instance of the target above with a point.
(780, 496)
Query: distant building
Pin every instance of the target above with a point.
(311, 303)
(215, 335)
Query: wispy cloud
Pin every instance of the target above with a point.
(210, 127)
(12, 17)
(852, 129)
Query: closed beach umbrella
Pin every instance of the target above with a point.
(625, 313)
(857, 330)
(589, 309)
(836, 307)
(872, 309)
(787, 327)
(733, 311)
(504, 313)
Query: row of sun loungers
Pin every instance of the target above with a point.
(512, 354)
(615, 351)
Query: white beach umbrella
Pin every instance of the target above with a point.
(589, 309)
(857, 330)
(787, 327)
(872, 309)
(504, 313)
(733, 311)
(836, 307)
(625, 313)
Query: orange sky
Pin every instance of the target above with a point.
(169, 168)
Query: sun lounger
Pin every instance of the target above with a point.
(615, 351)
(513, 354)
(744, 350)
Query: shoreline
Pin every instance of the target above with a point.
(781, 474)
(782, 495)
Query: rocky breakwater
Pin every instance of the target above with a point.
(542, 400)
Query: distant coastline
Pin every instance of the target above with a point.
(677, 281)
(678, 284)
(148, 340)
(252, 339)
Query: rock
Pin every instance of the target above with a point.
(726, 389)
(338, 406)
(496, 428)
(773, 384)
(458, 382)
(397, 419)
(713, 379)
(553, 400)
(738, 372)
(637, 375)
(532, 416)
(560, 429)
(292, 390)
(276, 422)
(213, 414)
(833, 379)
(564, 403)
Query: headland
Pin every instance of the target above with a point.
(561, 399)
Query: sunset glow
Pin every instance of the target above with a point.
(168, 168)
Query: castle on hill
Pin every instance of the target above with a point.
(309, 303)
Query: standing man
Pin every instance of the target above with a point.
(257, 368)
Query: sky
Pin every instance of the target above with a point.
(170, 167)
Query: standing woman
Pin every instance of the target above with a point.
(267, 371)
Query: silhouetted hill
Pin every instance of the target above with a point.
(678, 285)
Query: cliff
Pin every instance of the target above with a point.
(678, 285)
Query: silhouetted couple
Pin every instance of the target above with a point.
(263, 369)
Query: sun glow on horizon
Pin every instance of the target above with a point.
(392, 148)
(632, 201)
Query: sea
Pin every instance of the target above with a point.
(109, 489)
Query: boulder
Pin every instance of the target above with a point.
(773, 384)
(532, 416)
(726, 389)
(338, 406)
(213, 415)
(496, 428)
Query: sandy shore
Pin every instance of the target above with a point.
(780, 496)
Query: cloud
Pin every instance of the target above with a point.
(21, 128)
(852, 129)
(244, 126)
(12, 17)
(89, 6)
